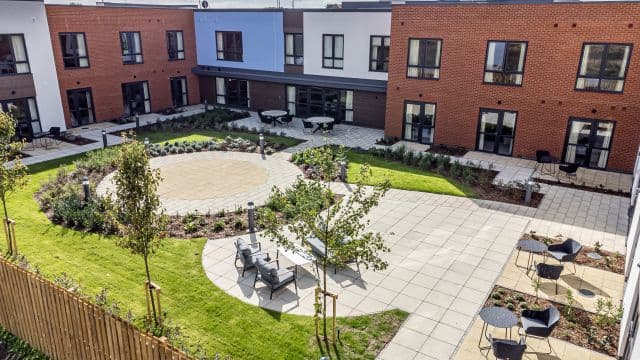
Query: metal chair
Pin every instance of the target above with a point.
(265, 119)
(570, 170)
(565, 252)
(508, 349)
(274, 277)
(540, 323)
(549, 272)
(544, 158)
(248, 256)
(54, 134)
(285, 120)
(307, 126)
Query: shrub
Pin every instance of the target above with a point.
(238, 225)
(218, 226)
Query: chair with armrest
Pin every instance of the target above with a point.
(504, 349)
(565, 252)
(540, 323)
(248, 254)
(273, 276)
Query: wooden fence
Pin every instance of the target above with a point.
(64, 326)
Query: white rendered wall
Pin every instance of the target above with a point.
(357, 28)
(29, 18)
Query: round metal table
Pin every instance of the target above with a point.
(274, 113)
(533, 247)
(320, 121)
(497, 317)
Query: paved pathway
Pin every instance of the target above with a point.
(210, 181)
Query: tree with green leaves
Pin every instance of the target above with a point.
(142, 220)
(339, 223)
(13, 175)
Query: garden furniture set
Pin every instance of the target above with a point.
(534, 323)
(312, 124)
(274, 117)
(564, 252)
(546, 164)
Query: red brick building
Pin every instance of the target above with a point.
(116, 60)
(510, 79)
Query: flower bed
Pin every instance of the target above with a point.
(610, 261)
(596, 331)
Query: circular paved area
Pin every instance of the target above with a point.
(216, 180)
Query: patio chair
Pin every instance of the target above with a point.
(569, 170)
(285, 120)
(540, 323)
(328, 127)
(274, 277)
(307, 126)
(508, 349)
(265, 119)
(549, 272)
(318, 248)
(247, 255)
(566, 252)
(544, 158)
(54, 134)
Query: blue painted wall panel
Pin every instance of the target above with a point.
(262, 38)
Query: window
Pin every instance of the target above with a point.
(332, 51)
(81, 107)
(505, 62)
(293, 51)
(25, 112)
(419, 121)
(229, 45)
(74, 50)
(136, 98)
(179, 91)
(603, 67)
(13, 55)
(131, 48)
(175, 45)
(232, 92)
(424, 58)
(379, 53)
(496, 130)
(588, 142)
(305, 101)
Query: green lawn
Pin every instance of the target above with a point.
(403, 176)
(206, 315)
(201, 135)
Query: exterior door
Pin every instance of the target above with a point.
(179, 94)
(25, 112)
(588, 142)
(80, 107)
(315, 101)
(237, 93)
(419, 122)
(496, 129)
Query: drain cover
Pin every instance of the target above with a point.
(586, 293)
(594, 256)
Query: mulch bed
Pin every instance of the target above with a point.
(582, 330)
(77, 140)
(600, 189)
(613, 262)
(448, 150)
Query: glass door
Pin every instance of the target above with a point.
(179, 92)
(80, 107)
(419, 122)
(25, 112)
(237, 93)
(588, 142)
(496, 131)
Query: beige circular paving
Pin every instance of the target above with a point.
(216, 180)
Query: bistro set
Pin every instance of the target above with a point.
(550, 166)
(311, 124)
(535, 323)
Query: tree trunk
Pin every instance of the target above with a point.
(324, 296)
(6, 223)
(149, 289)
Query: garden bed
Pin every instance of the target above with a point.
(594, 331)
(599, 189)
(613, 262)
(76, 140)
(457, 151)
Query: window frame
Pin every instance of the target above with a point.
(92, 108)
(308, 105)
(223, 51)
(589, 147)
(371, 59)
(131, 54)
(602, 66)
(333, 58)
(143, 100)
(500, 113)
(77, 58)
(293, 56)
(439, 67)
(26, 53)
(524, 62)
(30, 119)
(186, 88)
(177, 51)
(422, 114)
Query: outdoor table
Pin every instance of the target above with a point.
(533, 247)
(298, 256)
(320, 121)
(497, 317)
(274, 113)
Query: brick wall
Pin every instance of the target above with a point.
(102, 26)
(555, 34)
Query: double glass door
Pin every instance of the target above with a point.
(314, 101)
(588, 142)
(25, 112)
(419, 121)
(237, 92)
(496, 131)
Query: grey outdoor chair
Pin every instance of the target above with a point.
(508, 349)
(549, 272)
(248, 255)
(274, 277)
(540, 323)
(566, 252)
(318, 248)
(307, 126)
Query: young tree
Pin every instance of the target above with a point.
(12, 176)
(143, 222)
(339, 224)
